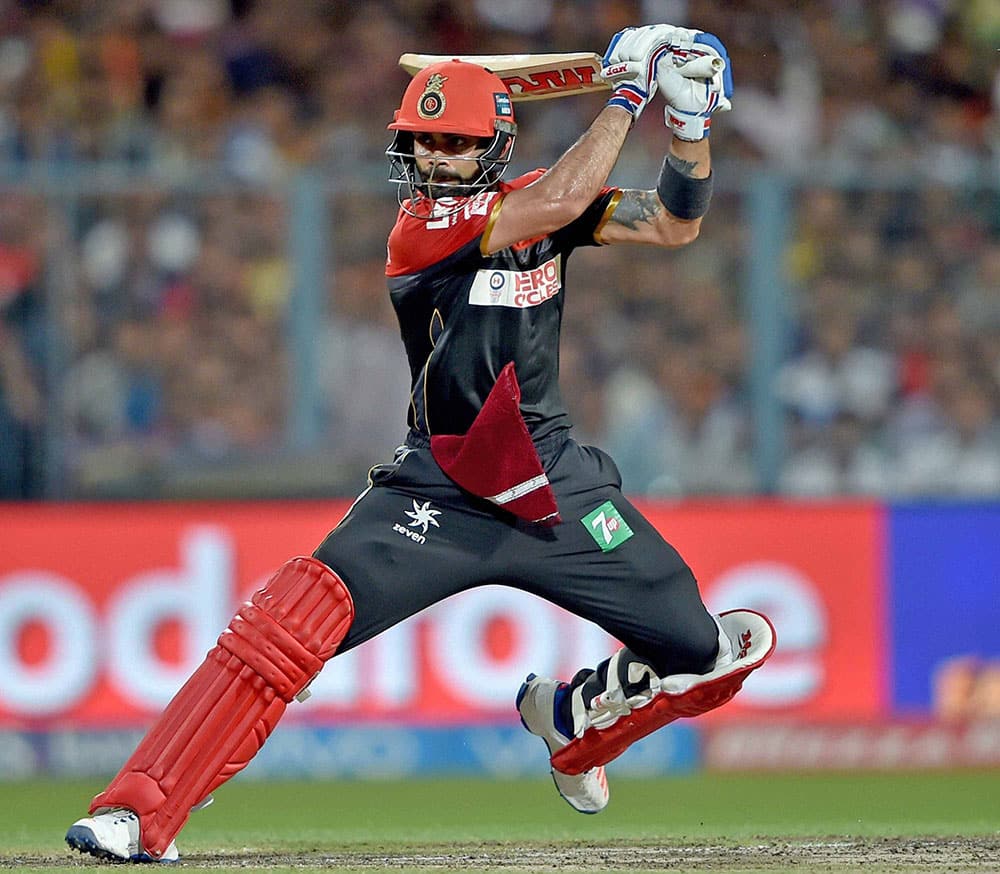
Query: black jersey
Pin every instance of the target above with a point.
(464, 314)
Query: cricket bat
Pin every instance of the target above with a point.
(558, 74)
(530, 76)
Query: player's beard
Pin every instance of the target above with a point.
(444, 182)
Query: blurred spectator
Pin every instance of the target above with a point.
(364, 372)
(836, 374)
(842, 460)
(21, 422)
(961, 456)
(682, 436)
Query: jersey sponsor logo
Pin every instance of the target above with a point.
(422, 516)
(607, 527)
(517, 288)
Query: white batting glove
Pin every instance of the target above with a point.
(697, 85)
(630, 63)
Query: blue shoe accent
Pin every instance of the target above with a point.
(146, 859)
(81, 838)
(520, 696)
(558, 709)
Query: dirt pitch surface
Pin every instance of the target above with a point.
(973, 854)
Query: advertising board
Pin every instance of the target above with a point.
(106, 609)
(944, 597)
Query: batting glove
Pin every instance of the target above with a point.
(695, 84)
(630, 64)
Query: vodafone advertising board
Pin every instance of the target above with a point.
(106, 609)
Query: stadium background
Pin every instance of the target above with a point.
(198, 364)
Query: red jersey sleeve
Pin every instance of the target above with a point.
(415, 243)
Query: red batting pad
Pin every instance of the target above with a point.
(219, 720)
(598, 746)
(496, 459)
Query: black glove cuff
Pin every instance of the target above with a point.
(681, 195)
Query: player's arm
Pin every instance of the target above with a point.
(564, 192)
(640, 216)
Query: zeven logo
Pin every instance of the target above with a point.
(517, 288)
(422, 516)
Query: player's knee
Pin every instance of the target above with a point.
(304, 609)
(681, 637)
(688, 648)
(703, 648)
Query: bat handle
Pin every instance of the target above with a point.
(704, 67)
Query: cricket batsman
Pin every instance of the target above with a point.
(488, 486)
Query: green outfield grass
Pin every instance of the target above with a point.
(346, 826)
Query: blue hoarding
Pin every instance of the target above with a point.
(944, 606)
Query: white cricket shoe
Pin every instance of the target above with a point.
(587, 792)
(114, 837)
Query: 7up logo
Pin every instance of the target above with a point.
(607, 527)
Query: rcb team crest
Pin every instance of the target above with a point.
(431, 103)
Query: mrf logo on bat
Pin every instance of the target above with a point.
(557, 79)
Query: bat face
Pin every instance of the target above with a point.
(530, 77)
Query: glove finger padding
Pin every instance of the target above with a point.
(630, 64)
(699, 84)
(704, 56)
(693, 96)
(639, 43)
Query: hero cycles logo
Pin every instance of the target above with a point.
(519, 289)
(447, 664)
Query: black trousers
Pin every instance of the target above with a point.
(414, 538)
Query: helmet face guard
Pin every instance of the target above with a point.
(452, 97)
(422, 197)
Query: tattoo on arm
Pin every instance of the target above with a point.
(685, 168)
(635, 207)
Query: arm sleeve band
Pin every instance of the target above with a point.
(681, 195)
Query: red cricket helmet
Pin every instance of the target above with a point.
(451, 97)
(455, 97)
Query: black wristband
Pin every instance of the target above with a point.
(681, 195)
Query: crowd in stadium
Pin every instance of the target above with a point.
(143, 326)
